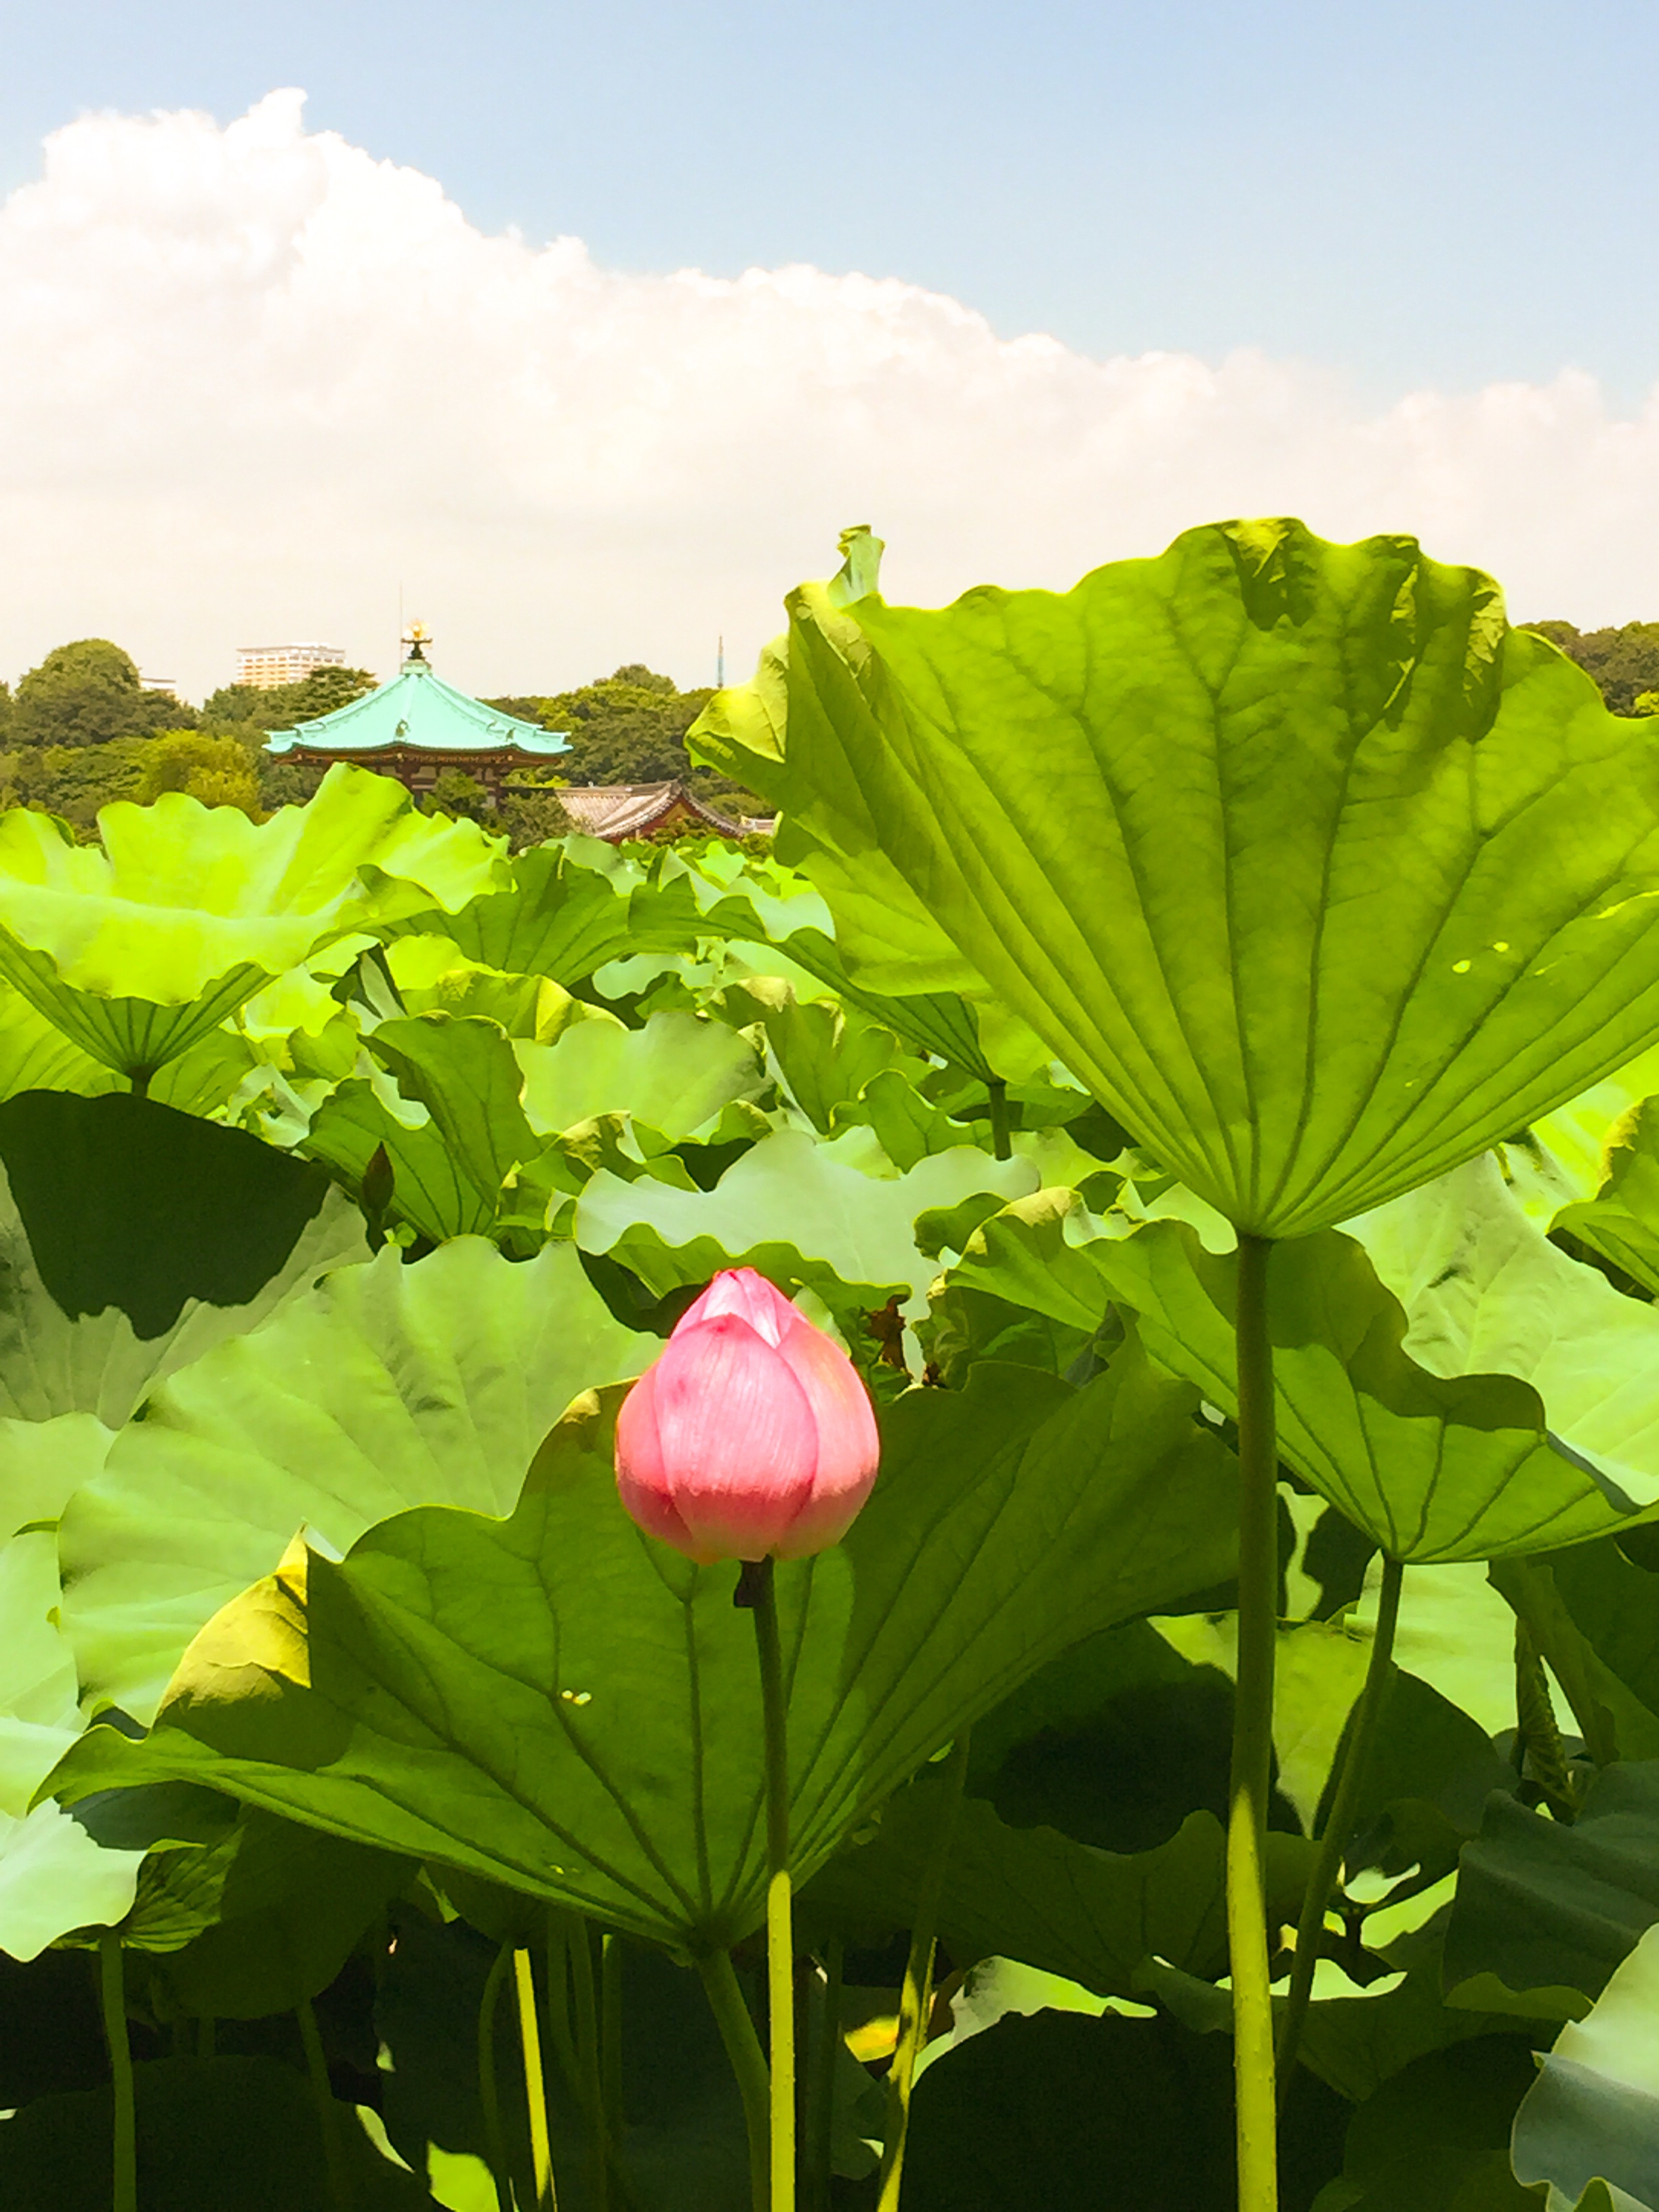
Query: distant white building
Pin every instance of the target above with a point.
(268, 666)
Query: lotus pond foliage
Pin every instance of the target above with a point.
(1187, 1076)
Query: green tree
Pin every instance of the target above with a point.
(1624, 660)
(87, 693)
(5, 713)
(282, 706)
(628, 728)
(219, 771)
(72, 781)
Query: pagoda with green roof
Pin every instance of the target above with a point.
(417, 726)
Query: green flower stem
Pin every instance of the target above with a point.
(1000, 1147)
(535, 2089)
(561, 1926)
(328, 2112)
(1362, 1732)
(610, 2047)
(821, 2086)
(780, 1932)
(916, 1999)
(490, 2096)
(113, 1995)
(748, 2061)
(588, 2048)
(1253, 1729)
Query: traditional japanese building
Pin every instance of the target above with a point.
(617, 810)
(417, 726)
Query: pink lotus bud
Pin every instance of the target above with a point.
(751, 1436)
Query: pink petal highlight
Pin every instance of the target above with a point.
(850, 1445)
(740, 1290)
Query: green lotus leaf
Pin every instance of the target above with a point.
(258, 1920)
(430, 1188)
(1031, 1893)
(219, 2135)
(1435, 2136)
(1318, 874)
(463, 1072)
(36, 1055)
(1058, 2109)
(137, 950)
(1488, 1293)
(799, 1210)
(385, 1386)
(675, 1074)
(1592, 2116)
(569, 908)
(53, 1875)
(1433, 1466)
(1614, 1605)
(1546, 1908)
(133, 1239)
(563, 1705)
(1621, 1220)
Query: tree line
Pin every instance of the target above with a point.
(82, 729)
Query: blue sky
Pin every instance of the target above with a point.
(1431, 192)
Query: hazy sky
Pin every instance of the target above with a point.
(1393, 266)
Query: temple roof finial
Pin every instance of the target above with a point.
(417, 638)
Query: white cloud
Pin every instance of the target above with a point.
(251, 378)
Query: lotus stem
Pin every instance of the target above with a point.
(490, 2097)
(535, 2087)
(328, 2116)
(760, 1588)
(821, 2086)
(1000, 1147)
(113, 1995)
(1256, 2117)
(610, 2047)
(1361, 1733)
(587, 2047)
(742, 2048)
(916, 1999)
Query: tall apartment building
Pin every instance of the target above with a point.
(268, 666)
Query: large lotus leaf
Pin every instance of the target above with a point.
(1034, 1894)
(1435, 1466)
(675, 1074)
(1322, 877)
(1621, 1220)
(221, 2135)
(1562, 1157)
(386, 1386)
(463, 1072)
(53, 1875)
(1614, 1605)
(563, 1705)
(785, 1204)
(1593, 2113)
(258, 1920)
(138, 950)
(1436, 2138)
(133, 1239)
(570, 907)
(36, 1055)
(43, 1463)
(1549, 1911)
(1487, 1292)
(430, 1188)
(1058, 2109)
